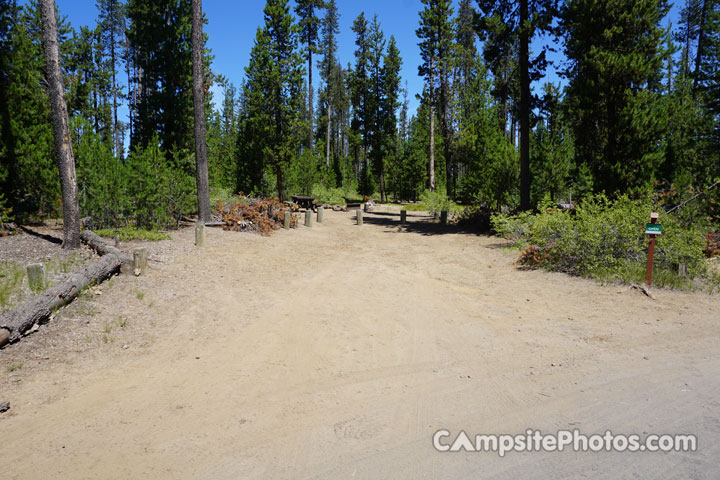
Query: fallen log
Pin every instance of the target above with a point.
(94, 241)
(14, 323)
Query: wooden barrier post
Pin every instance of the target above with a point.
(358, 215)
(200, 234)
(443, 217)
(403, 217)
(320, 213)
(37, 278)
(653, 229)
(308, 218)
(286, 221)
(140, 259)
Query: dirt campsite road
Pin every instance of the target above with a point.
(337, 352)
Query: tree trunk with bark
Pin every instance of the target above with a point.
(61, 128)
(327, 143)
(524, 107)
(311, 140)
(113, 60)
(432, 129)
(201, 174)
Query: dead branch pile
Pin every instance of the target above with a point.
(258, 215)
(8, 228)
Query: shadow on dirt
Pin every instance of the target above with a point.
(417, 222)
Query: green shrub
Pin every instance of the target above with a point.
(161, 189)
(5, 211)
(332, 196)
(103, 180)
(604, 239)
(151, 189)
(221, 198)
(438, 201)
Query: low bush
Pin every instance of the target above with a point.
(332, 196)
(151, 189)
(606, 240)
(5, 217)
(438, 201)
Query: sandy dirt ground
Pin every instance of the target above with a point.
(337, 351)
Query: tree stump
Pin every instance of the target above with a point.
(320, 214)
(140, 261)
(403, 217)
(682, 269)
(37, 278)
(359, 216)
(443, 217)
(200, 234)
(286, 221)
(308, 218)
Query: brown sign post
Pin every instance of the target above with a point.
(651, 246)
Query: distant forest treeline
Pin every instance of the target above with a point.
(640, 109)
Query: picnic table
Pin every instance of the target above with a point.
(304, 201)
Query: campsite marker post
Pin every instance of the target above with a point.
(653, 229)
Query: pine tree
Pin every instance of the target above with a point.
(359, 86)
(489, 160)
(616, 53)
(328, 66)
(61, 127)
(389, 103)
(707, 70)
(198, 67)
(506, 26)
(111, 27)
(163, 102)
(309, 30)
(435, 33)
(553, 148)
(8, 14)
(273, 123)
(373, 174)
(27, 151)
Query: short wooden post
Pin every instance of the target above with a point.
(682, 269)
(286, 221)
(321, 213)
(140, 260)
(651, 252)
(200, 234)
(37, 279)
(403, 217)
(443, 217)
(117, 240)
(308, 218)
(358, 215)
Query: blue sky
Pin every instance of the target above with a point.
(232, 25)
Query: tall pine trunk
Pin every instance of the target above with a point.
(201, 173)
(116, 132)
(327, 142)
(432, 129)
(310, 100)
(524, 108)
(61, 128)
(700, 44)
